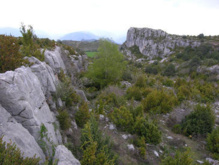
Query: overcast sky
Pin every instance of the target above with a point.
(63, 16)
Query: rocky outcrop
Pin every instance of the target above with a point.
(47, 79)
(26, 103)
(54, 59)
(64, 156)
(14, 132)
(80, 62)
(155, 43)
(22, 96)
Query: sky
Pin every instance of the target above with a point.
(57, 17)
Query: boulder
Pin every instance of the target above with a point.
(64, 157)
(14, 132)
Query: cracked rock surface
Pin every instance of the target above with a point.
(16, 133)
(22, 96)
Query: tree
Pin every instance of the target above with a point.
(108, 65)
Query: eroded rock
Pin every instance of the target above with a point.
(14, 132)
(155, 43)
(22, 96)
(64, 156)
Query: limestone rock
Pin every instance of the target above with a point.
(22, 96)
(45, 75)
(64, 156)
(53, 58)
(16, 133)
(155, 43)
(80, 62)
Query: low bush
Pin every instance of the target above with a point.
(144, 128)
(11, 155)
(82, 115)
(10, 57)
(159, 101)
(139, 142)
(213, 142)
(64, 119)
(107, 101)
(180, 158)
(151, 69)
(96, 148)
(122, 118)
(134, 92)
(199, 122)
(65, 91)
(141, 82)
(169, 70)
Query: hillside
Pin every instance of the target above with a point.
(154, 100)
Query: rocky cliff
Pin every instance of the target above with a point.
(155, 43)
(27, 108)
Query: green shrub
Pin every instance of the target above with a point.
(170, 70)
(180, 158)
(29, 47)
(141, 82)
(10, 57)
(122, 118)
(96, 149)
(151, 69)
(127, 76)
(183, 93)
(138, 111)
(146, 91)
(159, 101)
(11, 155)
(64, 119)
(65, 91)
(107, 101)
(139, 142)
(82, 115)
(168, 82)
(149, 130)
(134, 92)
(199, 122)
(213, 142)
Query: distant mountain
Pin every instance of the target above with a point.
(80, 36)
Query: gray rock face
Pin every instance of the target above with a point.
(45, 75)
(47, 79)
(80, 62)
(16, 133)
(53, 58)
(64, 156)
(22, 96)
(155, 43)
